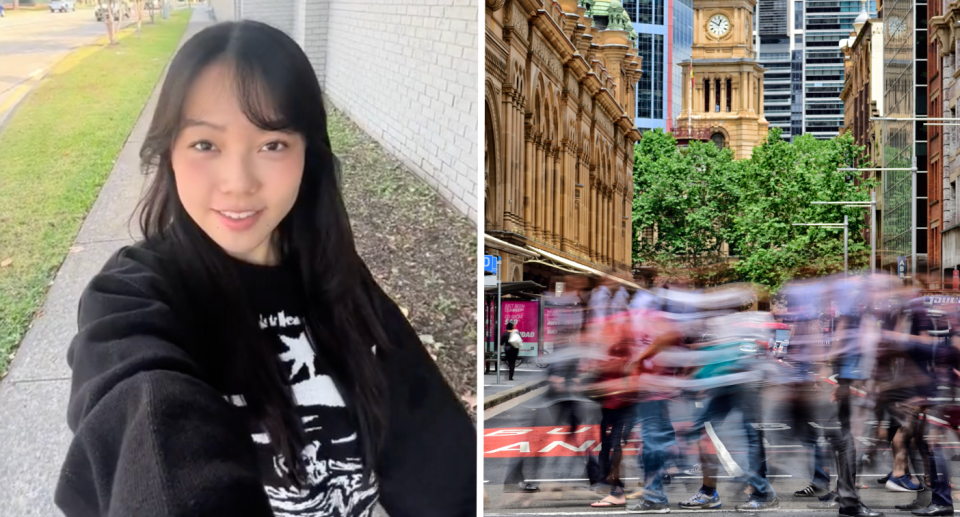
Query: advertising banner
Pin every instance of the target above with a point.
(526, 317)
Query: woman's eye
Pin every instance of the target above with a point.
(202, 146)
(275, 146)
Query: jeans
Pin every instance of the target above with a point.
(657, 434)
(746, 398)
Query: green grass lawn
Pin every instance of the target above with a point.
(57, 151)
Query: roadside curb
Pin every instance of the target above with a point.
(79, 52)
(514, 392)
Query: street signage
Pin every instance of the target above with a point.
(559, 289)
(490, 264)
(902, 267)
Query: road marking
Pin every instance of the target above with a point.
(725, 459)
(36, 73)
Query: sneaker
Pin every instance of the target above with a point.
(884, 479)
(702, 501)
(648, 507)
(902, 484)
(810, 491)
(759, 504)
(694, 470)
(665, 478)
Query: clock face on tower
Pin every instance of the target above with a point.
(718, 25)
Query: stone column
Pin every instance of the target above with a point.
(761, 96)
(592, 233)
(723, 95)
(744, 92)
(548, 193)
(528, 172)
(538, 192)
(569, 178)
(735, 103)
(508, 158)
(557, 197)
(603, 226)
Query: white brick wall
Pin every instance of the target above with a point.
(403, 70)
(315, 27)
(279, 13)
(224, 9)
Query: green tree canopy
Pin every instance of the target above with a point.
(698, 198)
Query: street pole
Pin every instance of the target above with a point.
(499, 310)
(913, 220)
(873, 232)
(844, 245)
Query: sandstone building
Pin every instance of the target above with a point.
(559, 114)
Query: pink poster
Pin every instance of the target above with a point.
(525, 315)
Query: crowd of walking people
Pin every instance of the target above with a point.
(858, 356)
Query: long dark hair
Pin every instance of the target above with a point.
(315, 242)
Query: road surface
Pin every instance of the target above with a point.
(526, 429)
(30, 43)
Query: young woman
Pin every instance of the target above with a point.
(241, 360)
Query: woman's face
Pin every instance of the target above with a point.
(236, 180)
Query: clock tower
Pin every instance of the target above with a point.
(722, 81)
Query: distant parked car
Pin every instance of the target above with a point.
(62, 6)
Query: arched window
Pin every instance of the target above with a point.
(717, 140)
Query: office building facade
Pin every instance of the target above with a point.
(664, 36)
(799, 46)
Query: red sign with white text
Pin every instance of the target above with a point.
(517, 442)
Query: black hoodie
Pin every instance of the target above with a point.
(152, 437)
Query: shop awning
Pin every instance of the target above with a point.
(497, 244)
(506, 288)
(574, 267)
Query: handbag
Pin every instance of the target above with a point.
(515, 340)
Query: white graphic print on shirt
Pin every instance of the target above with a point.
(335, 482)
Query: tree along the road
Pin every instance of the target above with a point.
(703, 204)
(777, 186)
(687, 197)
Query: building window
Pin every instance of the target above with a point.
(717, 140)
(956, 202)
(716, 84)
(648, 11)
(657, 76)
(798, 15)
(706, 95)
(650, 87)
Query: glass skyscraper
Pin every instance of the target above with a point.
(664, 38)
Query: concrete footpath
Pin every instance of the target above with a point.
(33, 397)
